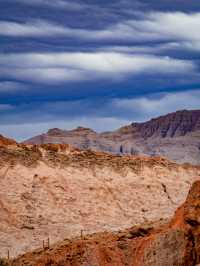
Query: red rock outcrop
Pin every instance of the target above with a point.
(173, 244)
(6, 141)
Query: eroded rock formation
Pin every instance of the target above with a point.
(6, 141)
(174, 244)
(56, 191)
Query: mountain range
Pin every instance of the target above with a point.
(175, 136)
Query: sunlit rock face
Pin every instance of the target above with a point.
(55, 190)
(175, 243)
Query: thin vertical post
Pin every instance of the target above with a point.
(48, 243)
(43, 244)
(8, 255)
(81, 234)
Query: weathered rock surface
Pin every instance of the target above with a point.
(175, 136)
(56, 191)
(174, 244)
(6, 141)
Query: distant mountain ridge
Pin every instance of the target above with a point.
(175, 136)
(175, 124)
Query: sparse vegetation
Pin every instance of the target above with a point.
(3, 262)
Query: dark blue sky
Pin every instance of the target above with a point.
(100, 64)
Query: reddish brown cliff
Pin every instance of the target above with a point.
(173, 244)
(172, 125)
(6, 141)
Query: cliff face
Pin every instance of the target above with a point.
(174, 244)
(56, 191)
(172, 125)
(174, 136)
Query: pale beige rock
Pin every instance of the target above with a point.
(48, 193)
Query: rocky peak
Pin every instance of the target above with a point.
(171, 125)
(55, 132)
(175, 124)
(82, 130)
(60, 132)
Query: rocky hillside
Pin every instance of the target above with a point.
(175, 136)
(6, 141)
(176, 243)
(57, 191)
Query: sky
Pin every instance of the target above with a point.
(95, 63)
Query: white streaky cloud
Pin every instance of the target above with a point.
(146, 49)
(175, 25)
(153, 26)
(93, 61)
(76, 66)
(47, 75)
(159, 104)
(192, 45)
(42, 28)
(58, 4)
(37, 28)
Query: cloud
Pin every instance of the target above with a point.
(178, 30)
(35, 28)
(153, 26)
(5, 107)
(58, 4)
(158, 104)
(76, 66)
(45, 75)
(176, 25)
(145, 49)
(12, 87)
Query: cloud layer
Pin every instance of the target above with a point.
(148, 26)
(60, 4)
(95, 63)
(62, 67)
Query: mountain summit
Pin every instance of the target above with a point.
(175, 136)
